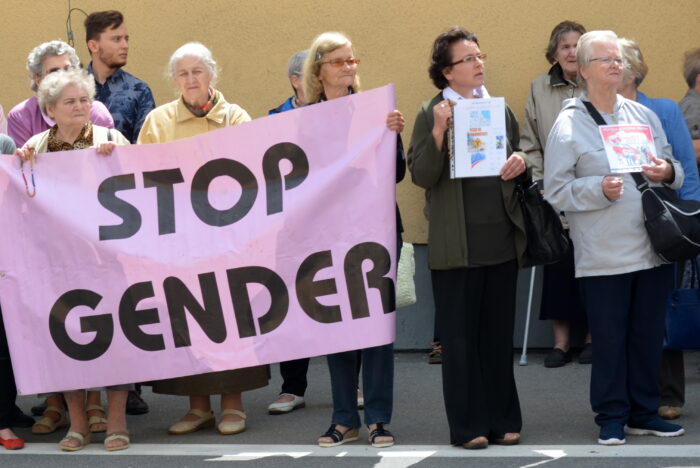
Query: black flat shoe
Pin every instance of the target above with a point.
(586, 356)
(557, 358)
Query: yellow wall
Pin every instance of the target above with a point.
(253, 39)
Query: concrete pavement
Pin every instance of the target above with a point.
(558, 428)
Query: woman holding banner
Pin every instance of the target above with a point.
(201, 108)
(476, 239)
(66, 96)
(330, 72)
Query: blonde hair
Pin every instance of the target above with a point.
(634, 61)
(321, 45)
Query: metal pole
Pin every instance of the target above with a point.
(523, 356)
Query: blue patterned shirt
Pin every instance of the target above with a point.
(128, 99)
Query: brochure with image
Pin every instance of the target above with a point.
(628, 147)
(478, 139)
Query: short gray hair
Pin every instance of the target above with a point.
(635, 66)
(584, 48)
(36, 57)
(296, 63)
(54, 84)
(198, 51)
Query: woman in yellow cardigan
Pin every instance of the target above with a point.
(199, 109)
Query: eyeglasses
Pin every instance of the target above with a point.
(470, 59)
(55, 69)
(608, 61)
(338, 62)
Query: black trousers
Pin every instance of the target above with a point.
(294, 376)
(476, 314)
(8, 391)
(672, 378)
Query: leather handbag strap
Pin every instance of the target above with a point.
(638, 179)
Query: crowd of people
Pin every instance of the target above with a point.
(611, 284)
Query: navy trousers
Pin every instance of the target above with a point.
(626, 319)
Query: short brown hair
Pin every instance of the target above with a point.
(98, 22)
(691, 67)
(441, 57)
(557, 33)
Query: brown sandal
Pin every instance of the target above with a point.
(97, 423)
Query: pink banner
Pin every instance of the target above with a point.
(257, 243)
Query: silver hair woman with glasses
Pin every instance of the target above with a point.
(623, 282)
(26, 118)
(65, 97)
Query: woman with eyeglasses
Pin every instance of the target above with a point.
(475, 242)
(561, 302)
(330, 72)
(623, 282)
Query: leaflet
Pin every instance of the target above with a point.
(627, 147)
(478, 146)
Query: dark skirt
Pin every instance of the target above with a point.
(215, 383)
(561, 299)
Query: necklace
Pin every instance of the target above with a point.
(31, 193)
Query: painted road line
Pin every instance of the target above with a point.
(229, 452)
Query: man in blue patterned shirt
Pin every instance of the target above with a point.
(128, 99)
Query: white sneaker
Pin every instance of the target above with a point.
(282, 407)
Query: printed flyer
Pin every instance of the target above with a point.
(479, 138)
(628, 147)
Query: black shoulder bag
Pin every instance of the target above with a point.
(673, 224)
(547, 242)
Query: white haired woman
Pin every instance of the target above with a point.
(199, 109)
(623, 282)
(26, 118)
(66, 96)
(330, 72)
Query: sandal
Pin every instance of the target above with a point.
(83, 440)
(97, 423)
(337, 437)
(121, 436)
(50, 424)
(204, 420)
(379, 431)
(232, 427)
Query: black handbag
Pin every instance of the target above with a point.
(673, 224)
(546, 240)
(683, 315)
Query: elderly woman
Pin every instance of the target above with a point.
(678, 136)
(476, 239)
(201, 108)
(26, 118)
(622, 281)
(330, 72)
(66, 97)
(560, 297)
